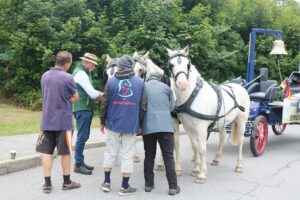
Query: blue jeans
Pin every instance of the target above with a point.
(83, 125)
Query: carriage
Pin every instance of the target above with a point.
(265, 108)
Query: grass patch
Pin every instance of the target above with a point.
(16, 120)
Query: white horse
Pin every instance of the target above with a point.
(111, 66)
(151, 68)
(207, 108)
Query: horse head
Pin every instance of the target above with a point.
(179, 65)
(110, 68)
(140, 65)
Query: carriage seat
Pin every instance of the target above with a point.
(295, 83)
(263, 91)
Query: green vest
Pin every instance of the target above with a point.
(85, 102)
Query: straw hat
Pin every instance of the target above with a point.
(90, 58)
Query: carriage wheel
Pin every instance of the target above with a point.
(259, 136)
(278, 128)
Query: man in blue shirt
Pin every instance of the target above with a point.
(122, 108)
(58, 90)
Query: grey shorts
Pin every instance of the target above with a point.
(48, 140)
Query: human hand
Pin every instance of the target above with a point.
(74, 98)
(100, 96)
(139, 132)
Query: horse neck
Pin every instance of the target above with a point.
(151, 68)
(182, 96)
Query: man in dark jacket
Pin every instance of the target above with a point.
(121, 110)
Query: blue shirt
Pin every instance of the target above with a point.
(57, 87)
(124, 97)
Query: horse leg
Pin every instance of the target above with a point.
(195, 147)
(222, 136)
(202, 150)
(160, 166)
(238, 130)
(136, 158)
(177, 147)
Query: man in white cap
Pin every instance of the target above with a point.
(83, 110)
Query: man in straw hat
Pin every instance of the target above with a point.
(121, 109)
(83, 110)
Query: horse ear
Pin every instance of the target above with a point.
(135, 54)
(170, 52)
(146, 55)
(108, 59)
(186, 50)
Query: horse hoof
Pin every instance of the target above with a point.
(160, 168)
(136, 159)
(200, 180)
(194, 173)
(178, 173)
(239, 169)
(215, 163)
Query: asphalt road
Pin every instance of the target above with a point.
(273, 176)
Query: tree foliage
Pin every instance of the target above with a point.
(217, 31)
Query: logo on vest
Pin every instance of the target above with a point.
(125, 88)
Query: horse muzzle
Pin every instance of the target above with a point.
(182, 82)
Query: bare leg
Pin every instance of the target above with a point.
(47, 163)
(66, 164)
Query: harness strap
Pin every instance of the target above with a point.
(199, 84)
(232, 95)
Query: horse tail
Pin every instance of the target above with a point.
(234, 133)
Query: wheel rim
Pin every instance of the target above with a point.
(261, 135)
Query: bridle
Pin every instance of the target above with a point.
(179, 55)
(139, 59)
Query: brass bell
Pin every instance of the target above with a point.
(278, 48)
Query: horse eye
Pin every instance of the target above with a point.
(171, 65)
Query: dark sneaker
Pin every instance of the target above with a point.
(105, 187)
(82, 170)
(174, 191)
(149, 188)
(70, 186)
(88, 167)
(127, 191)
(47, 189)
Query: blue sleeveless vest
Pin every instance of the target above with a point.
(124, 97)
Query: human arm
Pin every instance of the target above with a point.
(83, 80)
(143, 106)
